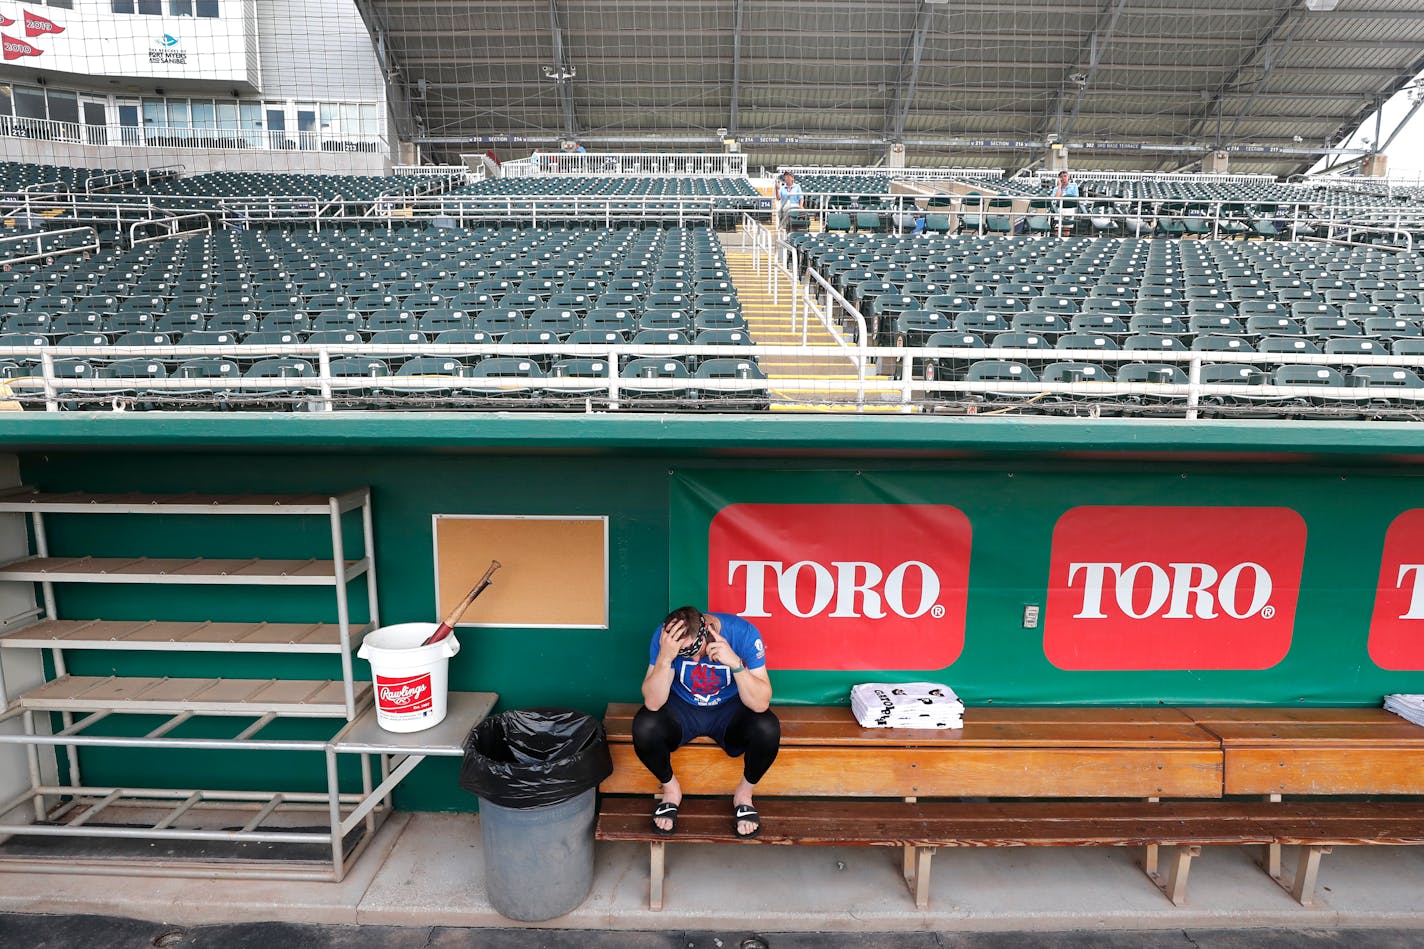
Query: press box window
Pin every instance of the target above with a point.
(208, 8)
(180, 7)
(122, 6)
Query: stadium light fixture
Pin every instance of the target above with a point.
(1321, 6)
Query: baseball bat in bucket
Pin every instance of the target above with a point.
(447, 625)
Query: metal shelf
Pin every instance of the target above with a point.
(463, 711)
(194, 570)
(318, 698)
(161, 830)
(167, 635)
(24, 501)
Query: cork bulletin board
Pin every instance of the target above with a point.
(554, 570)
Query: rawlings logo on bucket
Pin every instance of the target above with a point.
(403, 696)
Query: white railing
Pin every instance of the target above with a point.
(159, 136)
(534, 209)
(438, 171)
(178, 225)
(135, 178)
(1178, 177)
(891, 173)
(781, 262)
(47, 243)
(640, 164)
(519, 168)
(910, 386)
(982, 214)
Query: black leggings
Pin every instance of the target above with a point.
(656, 735)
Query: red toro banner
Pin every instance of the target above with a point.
(1397, 626)
(36, 25)
(845, 586)
(14, 48)
(1173, 587)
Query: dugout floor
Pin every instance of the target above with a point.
(427, 870)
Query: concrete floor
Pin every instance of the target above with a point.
(426, 871)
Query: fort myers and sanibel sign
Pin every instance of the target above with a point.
(848, 573)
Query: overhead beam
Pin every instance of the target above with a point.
(1227, 87)
(397, 95)
(736, 69)
(899, 112)
(563, 72)
(492, 37)
(1098, 41)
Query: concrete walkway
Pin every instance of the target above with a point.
(426, 870)
(103, 932)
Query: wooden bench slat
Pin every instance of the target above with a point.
(1111, 824)
(988, 714)
(1273, 714)
(1306, 770)
(1381, 734)
(939, 772)
(845, 731)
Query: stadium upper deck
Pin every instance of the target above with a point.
(568, 293)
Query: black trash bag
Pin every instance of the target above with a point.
(535, 756)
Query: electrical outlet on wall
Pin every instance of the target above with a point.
(1030, 616)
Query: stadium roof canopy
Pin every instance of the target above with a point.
(1149, 84)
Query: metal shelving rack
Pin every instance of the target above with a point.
(264, 842)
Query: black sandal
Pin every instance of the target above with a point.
(665, 810)
(745, 813)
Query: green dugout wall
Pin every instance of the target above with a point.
(1006, 513)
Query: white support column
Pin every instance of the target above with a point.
(1217, 163)
(20, 669)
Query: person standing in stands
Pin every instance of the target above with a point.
(1064, 188)
(707, 678)
(788, 197)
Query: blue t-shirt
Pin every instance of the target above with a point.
(710, 683)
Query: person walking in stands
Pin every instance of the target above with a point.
(788, 197)
(1064, 189)
(707, 677)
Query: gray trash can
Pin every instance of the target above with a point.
(536, 773)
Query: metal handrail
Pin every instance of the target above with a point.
(39, 237)
(323, 386)
(654, 164)
(173, 227)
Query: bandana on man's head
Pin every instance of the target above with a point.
(694, 646)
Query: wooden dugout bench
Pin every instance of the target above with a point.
(1300, 758)
(1156, 775)
(835, 783)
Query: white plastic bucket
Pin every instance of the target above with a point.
(411, 681)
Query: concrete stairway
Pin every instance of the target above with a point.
(770, 324)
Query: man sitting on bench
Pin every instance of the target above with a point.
(707, 678)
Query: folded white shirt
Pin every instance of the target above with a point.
(1406, 706)
(906, 705)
